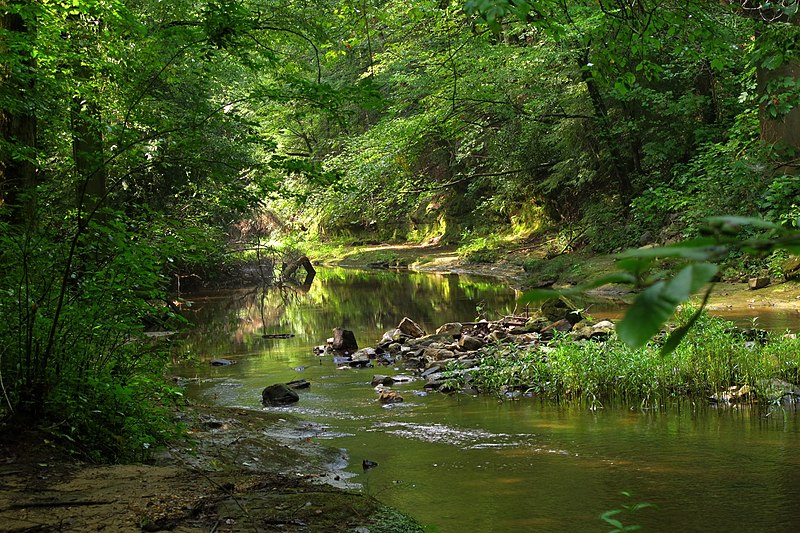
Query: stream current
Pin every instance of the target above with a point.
(477, 464)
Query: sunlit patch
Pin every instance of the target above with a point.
(465, 438)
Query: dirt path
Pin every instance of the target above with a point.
(240, 471)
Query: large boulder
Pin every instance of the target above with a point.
(278, 394)
(344, 340)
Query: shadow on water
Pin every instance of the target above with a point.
(464, 463)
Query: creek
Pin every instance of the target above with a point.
(460, 463)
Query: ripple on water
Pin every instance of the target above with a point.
(464, 438)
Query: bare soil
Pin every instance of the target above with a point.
(239, 470)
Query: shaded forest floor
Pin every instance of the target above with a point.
(239, 470)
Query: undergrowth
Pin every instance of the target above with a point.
(714, 357)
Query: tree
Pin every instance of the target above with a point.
(18, 173)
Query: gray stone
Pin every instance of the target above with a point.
(497, 336)
(435, 354)
(363, 355)
(380, 379)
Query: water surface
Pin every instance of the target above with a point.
(460, 463)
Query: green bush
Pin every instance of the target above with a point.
(73, 349)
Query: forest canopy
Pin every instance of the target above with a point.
(133, 134)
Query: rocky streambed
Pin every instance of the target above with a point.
(446, 359)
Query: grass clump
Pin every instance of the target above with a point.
(714, 357)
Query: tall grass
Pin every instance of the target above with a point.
(714, 357)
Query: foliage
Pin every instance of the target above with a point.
(132, 134)
(712, 358)
(691, 266)
(612, 517)
(74, 350)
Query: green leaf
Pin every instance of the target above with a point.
(677, 336)
(607, 517)
(772, 62)
(656, 304)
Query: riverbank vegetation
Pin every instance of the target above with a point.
(135, 137)
(715, 363)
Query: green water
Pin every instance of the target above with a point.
(464, 464)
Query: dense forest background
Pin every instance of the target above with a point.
(134, 134)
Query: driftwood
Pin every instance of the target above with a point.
(291, 268)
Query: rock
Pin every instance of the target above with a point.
(533, 325)
(469, 343)
(451, 328)
(497, 336)
(791, 268)
(430, 339)
(435, 369)
(562, 325)
(778, 389)
(403, 378)
(436, 354)
(410, 328)
(366, 464)
(364, 354)
(278, 394)
(734, 394)
(394, 348)
(389, 396)
(557, 309)
(758, 283)
(298, 384)
(391, 336)
(344, 340)
(222, 362)
(380, 379)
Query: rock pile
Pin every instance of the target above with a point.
(426, 355)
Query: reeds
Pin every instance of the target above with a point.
(715, 358)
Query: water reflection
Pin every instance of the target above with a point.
(475, 464)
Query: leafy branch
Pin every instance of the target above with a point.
(661, 295)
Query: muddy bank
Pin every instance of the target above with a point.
(237, 470)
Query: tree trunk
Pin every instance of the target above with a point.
(624, 185)
(87, 150)
(18, 123)
(783, 130)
